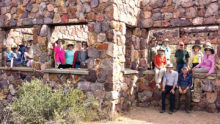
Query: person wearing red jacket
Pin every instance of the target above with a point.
(160, 63)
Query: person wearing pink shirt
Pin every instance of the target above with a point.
(208, 63)
(59, 53)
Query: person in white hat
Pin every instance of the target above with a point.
(170, 80)
(167, 49)
(208, 63)
(69, 54)
(15, 56)
(160, 63)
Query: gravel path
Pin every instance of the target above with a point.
(152, 116)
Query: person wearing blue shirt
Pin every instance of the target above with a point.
(22, 50)
(16, 57)
(167, 49)
(69, 54)
(184, 84)
(169, 84)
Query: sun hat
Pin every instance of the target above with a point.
(161, 49)
(197, 44)
(14, 46)
(185, 67)
(208, 44)
(70, 43)
(211, 49)
(166, 40)
(63, 41)
(169, 65)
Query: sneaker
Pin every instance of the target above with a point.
(170, 112)
(162, 111)
(187, 111)
(158, 86)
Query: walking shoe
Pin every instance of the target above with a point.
(187, 111)
(170, 112)
(162, 111)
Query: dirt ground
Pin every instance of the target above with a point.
(152, 116)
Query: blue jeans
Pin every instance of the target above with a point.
(172, 97)
(179, 67)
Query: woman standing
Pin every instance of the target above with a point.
(59, 53)
(197, 55)
(69, 55)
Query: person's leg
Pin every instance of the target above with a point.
(161, 73)
(188, 100)
(177, 101)
(156, 75)
(153, 66)
(200, 70)
(179, 67)
(172, 100)
(164, 98)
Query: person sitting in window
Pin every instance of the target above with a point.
(28, 56)
(22, 49)
(15, 56)
(184, 85)
(208, 63)
(59, 53)
(69, 55)
(160, 62)
(196, 56)
(81, 56)
(7, 53)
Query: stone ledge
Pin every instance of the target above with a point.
(128, 71)
(67, 71)
(24, 69)
(148, 72)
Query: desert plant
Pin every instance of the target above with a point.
(39, 103)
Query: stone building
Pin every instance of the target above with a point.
(118, 33)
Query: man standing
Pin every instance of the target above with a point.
(169, 84)
(182, 57)
(184, 85)
(152, 52)
(167, 49)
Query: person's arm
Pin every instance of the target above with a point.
(189, 83)
(74, 59)
(165, 61)
(156, 62)
(164, 82)
(5, 58)
(149, 56)
(212, 69)
(200, 64)
(187, 58)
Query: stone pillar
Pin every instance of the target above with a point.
(2, 38)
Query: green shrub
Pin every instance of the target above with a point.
(39, 103)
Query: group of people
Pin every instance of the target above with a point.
(70, 58)
(19, 55)
(178, 83)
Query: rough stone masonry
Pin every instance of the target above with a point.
(109, 42)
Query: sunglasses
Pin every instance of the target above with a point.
(181, 45)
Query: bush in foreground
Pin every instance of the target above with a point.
(39, 103)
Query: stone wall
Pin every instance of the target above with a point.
(109, 38)
(175, 13)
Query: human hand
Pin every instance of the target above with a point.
(172, 91)
(184, 91)
(180, 90)
(206, 75)
(163, 89)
